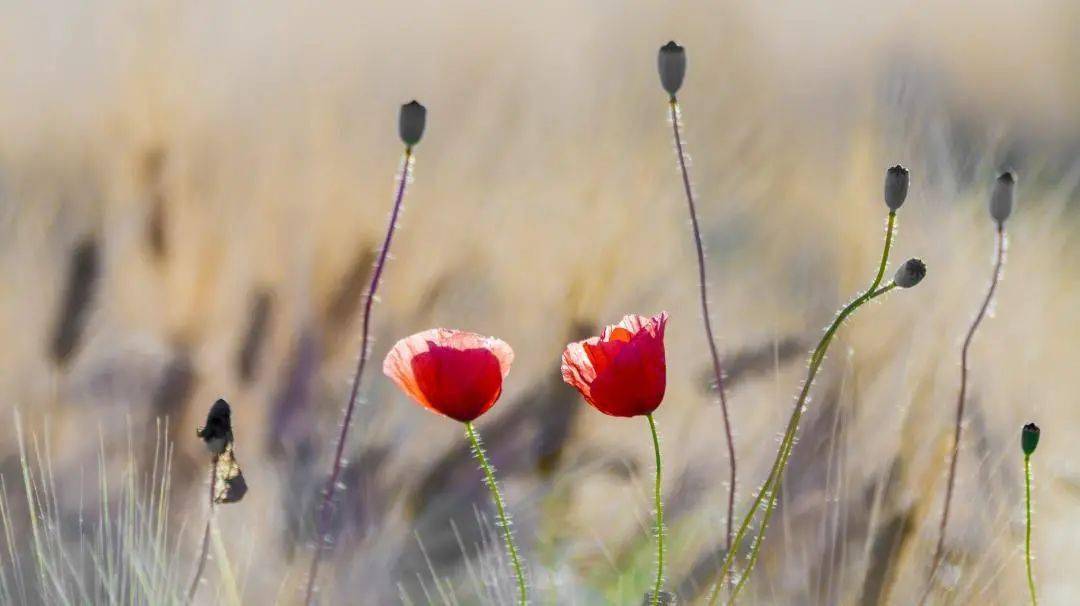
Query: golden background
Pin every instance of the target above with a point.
(229, 168)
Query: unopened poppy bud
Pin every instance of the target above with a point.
(411, 122)
(910, 273)
(672, 65)
(1001, 201)
(896, 182)
(1029, 438)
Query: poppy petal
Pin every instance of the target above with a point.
(455, 373)
(623, 372)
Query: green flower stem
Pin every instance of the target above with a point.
(496, 495)
(659, 517)
(772, 483)
(889, 232)
(789, 438)
(1027, 538)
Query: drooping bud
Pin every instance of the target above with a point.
(671, 61)
(1001, 201)
(411, 122)
(1029, 438)
(896, 183)
(910, 273)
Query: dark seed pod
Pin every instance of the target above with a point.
(896, 185)
(910, 273)
(217, 433)
(1001, 201)
(1029, 438)
(411, 122)
(671, 61)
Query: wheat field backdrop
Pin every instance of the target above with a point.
(192, 196)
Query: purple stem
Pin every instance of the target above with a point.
(331, 485)
(717, 370)
(939, 550)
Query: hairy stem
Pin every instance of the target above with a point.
(770, 488)
(504, 520)
(718, 371)
(939, 550)
(774, 490)
(323, 520)
(659, 516)
(1027, 537)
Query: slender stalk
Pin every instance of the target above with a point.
(718, 371)
(1027, 537)
(999, 259)
(771, 486)
(323, 520)
(774, 490)
(890, 230)
(496, 495)
(659, 516)
(206, 536)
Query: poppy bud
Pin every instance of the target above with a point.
(1001, 201)
(671, 61)
(910, 273)
(411, 122)
(1029, 438)
(896, 182)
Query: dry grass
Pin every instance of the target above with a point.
(214, 154)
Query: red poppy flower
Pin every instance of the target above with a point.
(623, 372)
(455, 373)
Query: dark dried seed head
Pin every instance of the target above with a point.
(671, 61)
(411, 122)
(1001, 201)
(896, 185)
(910, 273)
(217, 433)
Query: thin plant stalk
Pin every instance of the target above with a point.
(205, 550)
(659, 516)
(776, 483)
(323, 519)
(999, 260)
(496, 496)
(770, 488)
(1027, 534)
(718, 371)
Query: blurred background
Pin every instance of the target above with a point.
(192, 196)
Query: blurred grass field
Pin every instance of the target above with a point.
(223, 174)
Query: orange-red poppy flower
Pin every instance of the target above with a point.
(455, 373)
(623, 372)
